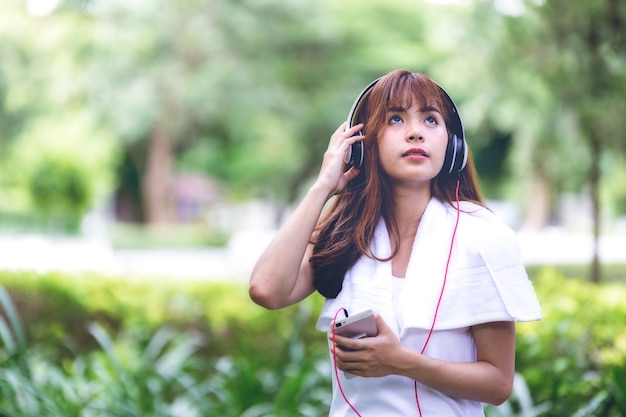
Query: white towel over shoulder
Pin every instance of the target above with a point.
(486, 280)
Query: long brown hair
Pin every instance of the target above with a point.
(345, 231)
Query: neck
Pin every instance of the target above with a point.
(409, 208)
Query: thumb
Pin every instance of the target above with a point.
(381, 324)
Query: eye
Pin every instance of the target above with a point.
(431, 120)
(395, 119)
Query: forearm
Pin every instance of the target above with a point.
(477, 381)
(280, 278)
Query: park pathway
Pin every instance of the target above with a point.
(234, 262)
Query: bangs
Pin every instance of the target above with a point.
(406, 89)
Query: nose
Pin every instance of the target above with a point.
(415, 136)
(413, 133)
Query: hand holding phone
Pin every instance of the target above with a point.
(357, 326)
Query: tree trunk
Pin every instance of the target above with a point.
(598, 85)
(156, 177)
(594, 180)
(538, 207)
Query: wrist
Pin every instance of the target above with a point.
(321, 189)
(408, 363)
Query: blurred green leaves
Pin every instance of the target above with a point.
(59, 160)
(197, 348)
(64, 163)
(249, 92)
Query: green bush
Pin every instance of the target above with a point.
(131, 236)
(229, 359)
(222, 311)
(570, 357)
(106, 346)
(58, 168)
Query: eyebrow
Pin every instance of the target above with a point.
(425, 109)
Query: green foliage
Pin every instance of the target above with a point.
(70, 302)
(249, 362)
(65, 165)
(58, 160)
(292, 381)
(125, 236)
(96, 346)
(520, 403)
(614, 188)
(250, 91)
(11, 329)
(58, 187)
(569, 356)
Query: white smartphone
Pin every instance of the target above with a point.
(357, 326)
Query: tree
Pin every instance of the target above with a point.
(150, 66)
(217, 87)
(57, 158)
(247, 91)
(578, 51)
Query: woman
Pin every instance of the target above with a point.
(407, 236)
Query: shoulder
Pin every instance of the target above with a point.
(482, 232)
(483, 222)
(478, 226)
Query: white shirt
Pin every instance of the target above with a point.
(486, 282)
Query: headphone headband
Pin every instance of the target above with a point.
(357, 103)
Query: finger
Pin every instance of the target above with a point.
(341, 344)
(341, 144)
(354, 129)
(381, 324)
(351, 368)
(339, 340)
(344, 132)
(348, 361)
(351, 173)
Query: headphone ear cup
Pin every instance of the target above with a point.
(456, 155)
(354, 155)
(463, 154)
(358, 150)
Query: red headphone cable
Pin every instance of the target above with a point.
(443, 286)
(432, 327)
(343, 394)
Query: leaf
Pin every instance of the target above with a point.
(105, 342)
(13, 316)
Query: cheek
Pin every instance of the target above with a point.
(383, 161)
(439, 154)
(381, 143)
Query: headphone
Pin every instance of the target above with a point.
(456, 151)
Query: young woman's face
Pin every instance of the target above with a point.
(412, 145)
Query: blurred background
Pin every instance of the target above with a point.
(200, 123)
(150, 149)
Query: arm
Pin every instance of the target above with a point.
(489, 379)
(283, 276)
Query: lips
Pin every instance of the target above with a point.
(415, 152)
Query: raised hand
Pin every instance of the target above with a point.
(331, 174)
